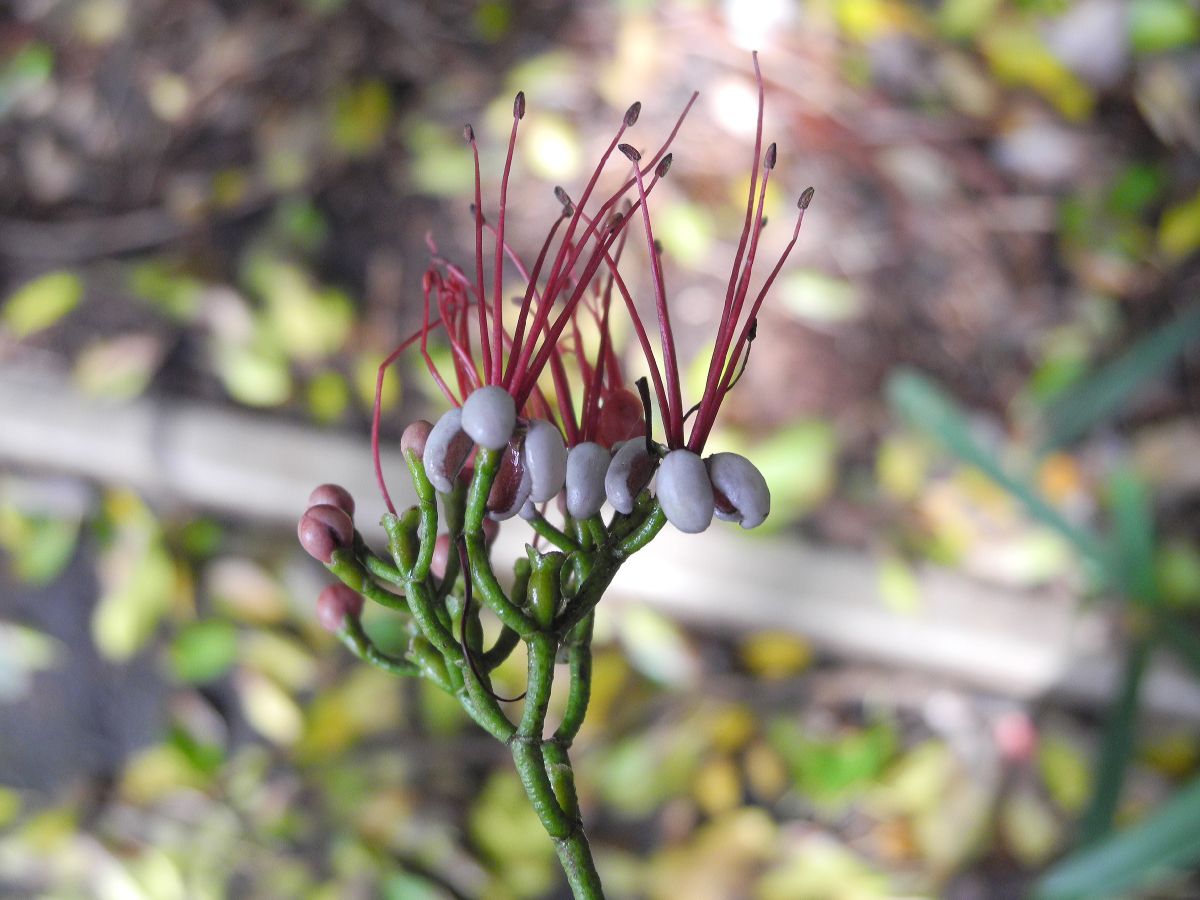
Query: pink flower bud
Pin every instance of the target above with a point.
(324, 529)
(684, 491)
(332, 495)
(414, 436)
(335, 604)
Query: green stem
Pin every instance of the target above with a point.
(579, 659)
(553, 535)
(486, 585)
(575, 857)
(357, 641)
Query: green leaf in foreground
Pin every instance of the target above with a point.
(38, 304)
(1166, 842)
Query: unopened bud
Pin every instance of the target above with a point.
(685, 492)
(414, 436)
(335, 604)
(332, 495)
(323, 529)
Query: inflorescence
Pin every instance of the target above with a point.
(539, 414)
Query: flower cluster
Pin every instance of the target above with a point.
(538, 413)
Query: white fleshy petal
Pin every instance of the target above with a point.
(684, 491)
(446, 449)
(587, 464)
(489, 416)
(545, 460)
(740, 482)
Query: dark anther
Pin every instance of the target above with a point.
(806, 198)
(630, 152)
(519, 106)
(769, 159)
(664, 165)
(468, 134)
(631, 114)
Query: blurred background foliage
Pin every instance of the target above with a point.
(230, 204)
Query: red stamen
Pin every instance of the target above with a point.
(484, 343)
(673, 415)
(496, 367)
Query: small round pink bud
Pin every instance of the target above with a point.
(332, 495)
(414, 436)
(324, 529)
(336, 604)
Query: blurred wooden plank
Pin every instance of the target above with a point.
(1018, 644)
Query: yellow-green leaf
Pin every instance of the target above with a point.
(38, 304)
